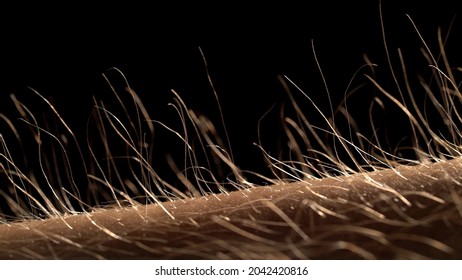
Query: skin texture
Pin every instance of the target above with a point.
(409, 212)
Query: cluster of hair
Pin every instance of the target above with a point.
(335, 192)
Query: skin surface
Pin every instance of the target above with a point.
(409, 212)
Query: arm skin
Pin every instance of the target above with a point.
(408, 212)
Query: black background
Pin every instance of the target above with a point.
(62, 51)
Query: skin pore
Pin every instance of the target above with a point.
(372, 203)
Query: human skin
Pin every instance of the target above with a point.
(408, 212)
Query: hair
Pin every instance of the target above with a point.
(337, 188)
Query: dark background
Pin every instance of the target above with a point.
(63, 52)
